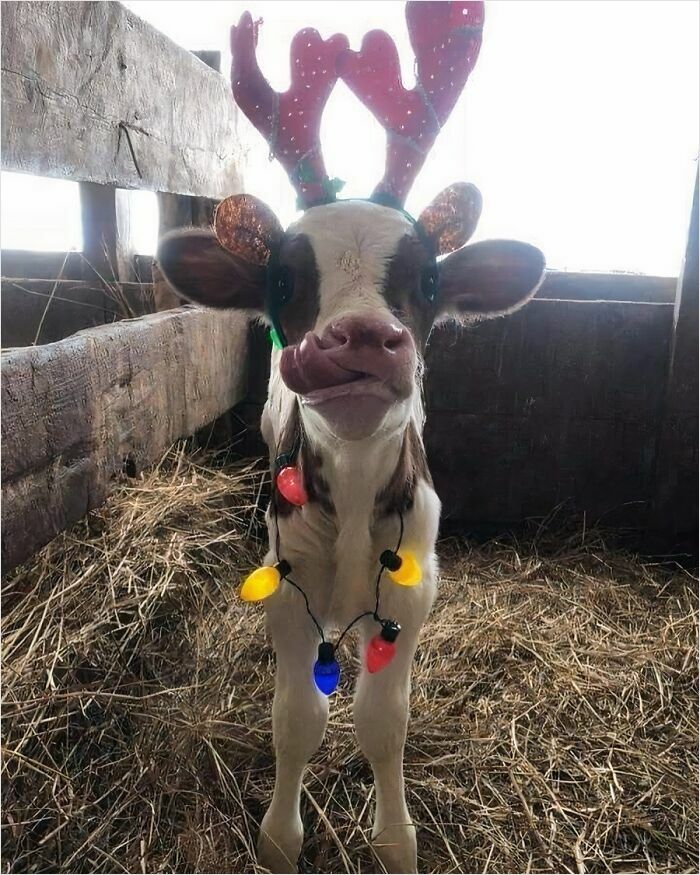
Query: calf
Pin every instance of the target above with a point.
(352, 290)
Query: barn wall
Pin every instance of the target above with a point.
(559, 402)
(44, 311)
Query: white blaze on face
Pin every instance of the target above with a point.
(353, 243)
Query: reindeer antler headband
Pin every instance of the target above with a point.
(445, 37)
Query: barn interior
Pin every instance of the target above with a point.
(554, 704)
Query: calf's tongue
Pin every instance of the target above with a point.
(307, 367)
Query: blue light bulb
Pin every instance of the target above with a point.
(326, 669)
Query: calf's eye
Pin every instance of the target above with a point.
(429, 282)
(285, 285)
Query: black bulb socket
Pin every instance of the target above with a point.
(283, 461)
(390, 630)
(390, 560)
(283, 567)
(326, 653)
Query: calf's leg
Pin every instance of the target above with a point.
(299, 716)
(381, 717)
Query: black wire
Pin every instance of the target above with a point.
(306, 602)
(277, 530)
(374, 613)
(351, 624)
(398, 544)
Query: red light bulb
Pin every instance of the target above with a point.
(382, 648)
(290, 485)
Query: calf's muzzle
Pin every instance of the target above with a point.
(374, 352)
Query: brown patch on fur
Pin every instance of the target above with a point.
(310, 462)
(299, 315)
(399, 493)
(403, 292)
(317, 487)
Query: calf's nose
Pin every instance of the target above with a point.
(356, 332)
(348, 349)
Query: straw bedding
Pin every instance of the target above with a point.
(554, 702)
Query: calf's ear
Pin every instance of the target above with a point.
(198, 268)
(224, 266)
(451, 218)
(490, 278)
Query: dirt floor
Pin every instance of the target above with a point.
(554, 722)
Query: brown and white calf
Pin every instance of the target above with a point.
(347, 389)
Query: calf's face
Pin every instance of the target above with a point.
(356, 315)
(353, 348)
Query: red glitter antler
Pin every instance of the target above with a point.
(291, 121)
(446, 38)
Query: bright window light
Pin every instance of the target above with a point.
(143, 221)
(39, 213)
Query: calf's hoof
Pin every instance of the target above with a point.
(396, 848)
(279, 847)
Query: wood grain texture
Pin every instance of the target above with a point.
(46, 311)
(559, 402)
(76, 414)
(93, 93)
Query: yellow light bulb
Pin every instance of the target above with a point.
(409, 573)
(260, 584)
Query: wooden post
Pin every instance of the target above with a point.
(182, 211)
(98, 215)
(674, 514)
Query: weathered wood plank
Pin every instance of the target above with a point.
(45, 311)
(75, 414)
(91, 92)
(558, 402)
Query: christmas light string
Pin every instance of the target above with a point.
(402, 568)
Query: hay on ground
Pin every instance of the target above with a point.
(554, 702)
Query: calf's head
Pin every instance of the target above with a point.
(355, 292)
(353, 288)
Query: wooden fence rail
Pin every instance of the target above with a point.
(75, 413)
(91, 92)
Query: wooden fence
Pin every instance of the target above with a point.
(587, 397)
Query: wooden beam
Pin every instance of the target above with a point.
(93, 93)
(675, 511)
(45, 311)
(98, 215)
(79, 413)
(586, 286)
